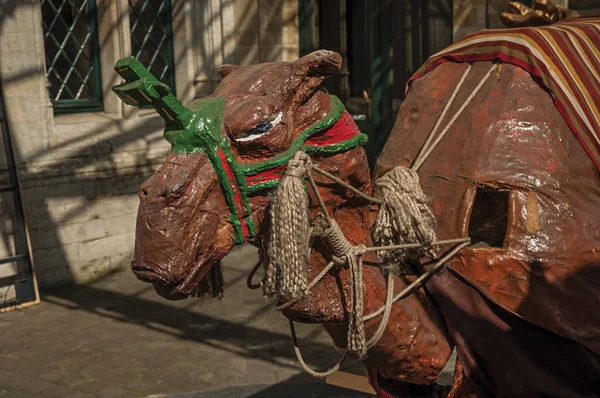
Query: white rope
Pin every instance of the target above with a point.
(357, 344)
(450, 101)
(386, 309)
(403, 218)
(310, 286)
(422, 278)
(303, 364)
(428, 151)
(332, 264)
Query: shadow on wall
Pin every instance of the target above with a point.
(80, 196)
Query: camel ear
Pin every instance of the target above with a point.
(321, 63)
(311, 70)
(226, 69)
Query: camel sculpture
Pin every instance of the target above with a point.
(514, 168)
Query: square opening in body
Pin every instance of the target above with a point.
(489, 217)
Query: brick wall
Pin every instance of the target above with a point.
(80, 172)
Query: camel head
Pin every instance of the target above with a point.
(228, 151)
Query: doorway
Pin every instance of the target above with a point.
(382, 43)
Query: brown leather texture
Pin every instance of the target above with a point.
(524, 315)
(183, 226)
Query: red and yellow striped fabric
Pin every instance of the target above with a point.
(564, 58)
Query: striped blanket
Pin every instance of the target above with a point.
(564, 58)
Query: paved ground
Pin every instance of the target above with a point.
(117, 338)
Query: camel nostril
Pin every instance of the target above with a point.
(144, 192)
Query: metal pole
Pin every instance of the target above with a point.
(26, 287)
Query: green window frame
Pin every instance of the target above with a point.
(72, 55)
(152, 37)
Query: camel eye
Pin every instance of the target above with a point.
(260, 130)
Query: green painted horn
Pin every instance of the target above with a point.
(142, 89)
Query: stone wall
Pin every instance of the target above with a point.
(242, 32)
(80, 172)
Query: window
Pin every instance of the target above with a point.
(152, 37)
(489, 217)
(72, 55)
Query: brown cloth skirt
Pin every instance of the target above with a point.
(503, 355)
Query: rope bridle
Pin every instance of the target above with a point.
(346, 254)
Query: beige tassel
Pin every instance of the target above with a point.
(287, 262)
(403, 218)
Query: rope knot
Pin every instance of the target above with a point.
(344, 253)
(357, 250)
(340, 261)
(350, 255)
(337, 240)
(403, 218)
(299, 165)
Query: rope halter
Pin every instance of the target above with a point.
(404, 228)
(289, 245)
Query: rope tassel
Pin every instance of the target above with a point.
(287, 262)
(344, 252)
(404, 217)
(357, 341)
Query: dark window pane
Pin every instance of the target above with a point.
(152, 38)
(71, 46)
